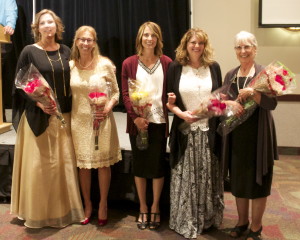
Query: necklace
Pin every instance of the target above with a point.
(84, 67)
(251, 73)
(63, 69)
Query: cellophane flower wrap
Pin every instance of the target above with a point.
(98, 98)
(141, 101)
(31, 81)
(274, 80)
(212, 105)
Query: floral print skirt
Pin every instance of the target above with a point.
(196, 191)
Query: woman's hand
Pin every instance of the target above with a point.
(171, 98)
(101, 112)
(235, 107)
(51, 109)
(188, 117)
(141, 123)
(245, 94)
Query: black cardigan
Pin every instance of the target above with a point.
(178, 141)
(266, 151)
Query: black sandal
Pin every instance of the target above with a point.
(238, 230)
(254, 235)
(153, 225)
(142, 225)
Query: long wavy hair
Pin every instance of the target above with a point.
(35, 26)
(75, 54)
(155, 28)
(182, 55)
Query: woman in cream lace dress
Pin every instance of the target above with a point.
(92, 72)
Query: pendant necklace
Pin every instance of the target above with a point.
(63, 69)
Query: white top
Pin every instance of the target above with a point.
(194, 86)
(152, 81)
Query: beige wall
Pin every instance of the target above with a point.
(222, 20)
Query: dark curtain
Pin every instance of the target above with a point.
(117, 22)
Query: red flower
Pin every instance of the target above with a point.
(216, 105)
(279, 79)
(285, 72)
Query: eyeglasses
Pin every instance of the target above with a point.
(88, 40)
(246, 47)
(194, 43)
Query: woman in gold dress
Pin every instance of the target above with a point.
(45, 190)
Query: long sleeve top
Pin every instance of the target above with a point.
(266, 151)
(129, 69)
(178, 141)
(8, 13)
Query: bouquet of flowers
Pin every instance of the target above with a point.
(31, 81)
(275, 80)
(212, 105)
(141, 103)
(98, 97)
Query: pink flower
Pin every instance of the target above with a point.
(97, 94)
(31, 86)
(279, 79)
(285, 72)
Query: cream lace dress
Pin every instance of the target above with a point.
(82, 83)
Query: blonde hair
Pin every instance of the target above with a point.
(244, 37)
(182, 55)
(35, 26)
(75, 54)
(155, 28)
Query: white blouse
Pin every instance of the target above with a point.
(152, 80)
(195, 85)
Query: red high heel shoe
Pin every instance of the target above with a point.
(85, 221)
(102, 222)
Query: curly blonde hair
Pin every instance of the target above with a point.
(75, 54)
(155, 28)
(35, 26)
(182, 55)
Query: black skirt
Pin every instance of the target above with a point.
(243, 162)
(150, 163)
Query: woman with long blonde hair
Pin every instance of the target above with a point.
(89, 72)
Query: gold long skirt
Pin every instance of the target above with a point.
(45, 189)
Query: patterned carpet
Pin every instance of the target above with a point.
(281, 220)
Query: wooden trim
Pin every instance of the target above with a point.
(289, 98)
(289, 150)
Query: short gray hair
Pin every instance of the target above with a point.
(245, 37)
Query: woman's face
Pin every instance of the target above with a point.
(245, 52)
(85, 42)
(149, 40)
(195, 47)
(47, 26)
